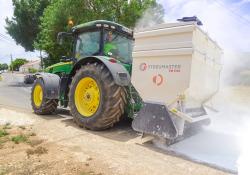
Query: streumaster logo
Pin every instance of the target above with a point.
(168, 67)
(158, 79)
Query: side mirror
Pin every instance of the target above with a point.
(61, 35)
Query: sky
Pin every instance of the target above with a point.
(226, 21)
(8, 48)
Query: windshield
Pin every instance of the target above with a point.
(88, 44)
(118, 46)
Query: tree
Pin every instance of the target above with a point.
(4, 66)
(15, 65)
(56, 16)
(23, 26)
(32, 70)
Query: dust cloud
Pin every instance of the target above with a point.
(233, 102)
(149, 19)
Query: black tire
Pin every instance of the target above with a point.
(29, 79)
(112, 98)
(48, 106)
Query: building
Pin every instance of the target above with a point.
(32, 64)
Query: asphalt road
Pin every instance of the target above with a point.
(13, 92)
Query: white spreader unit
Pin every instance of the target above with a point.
(176, 66)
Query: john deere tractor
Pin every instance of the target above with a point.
(95, 81)
(175, 72)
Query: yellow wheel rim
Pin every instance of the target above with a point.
(38, 95)
(87, 97)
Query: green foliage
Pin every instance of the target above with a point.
(23, 26)
(19, 139)
(4, 66)
(15, 65)
(3, 133)
(32, 70)
(56, 16)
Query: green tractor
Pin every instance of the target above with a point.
(95, 82)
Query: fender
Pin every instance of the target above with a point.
(51, 84)
(119, 73)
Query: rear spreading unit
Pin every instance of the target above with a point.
(176, 69)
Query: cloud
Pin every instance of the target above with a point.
(242, 2)
(223, 21)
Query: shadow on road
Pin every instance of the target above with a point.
(121, 131)
(19, 84)
(59, 114)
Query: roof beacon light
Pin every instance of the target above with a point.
(193, 18)
(70, 22)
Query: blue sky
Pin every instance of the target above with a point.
(226, 21)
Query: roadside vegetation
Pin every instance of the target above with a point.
(19, 139)
(3, 66)
(3, 133)
(32, 70)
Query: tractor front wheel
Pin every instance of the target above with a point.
(39, 103)
(95, 101)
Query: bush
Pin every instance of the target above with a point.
(20, 138)
(3, 133)
(32, 70)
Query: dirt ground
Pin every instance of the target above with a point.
(55, 145)
(24, 153)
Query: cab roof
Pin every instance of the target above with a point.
(101, 23)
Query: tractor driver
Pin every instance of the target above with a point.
(110, 49)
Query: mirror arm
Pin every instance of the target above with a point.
(61, 35)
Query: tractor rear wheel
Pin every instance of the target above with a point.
(95, 101)
(39, 103)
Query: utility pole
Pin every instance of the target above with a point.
(11, 60)
(41, 59)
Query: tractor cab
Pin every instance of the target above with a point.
(102, 38)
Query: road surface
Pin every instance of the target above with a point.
(225, 142)
(209, 147)
(13, 92)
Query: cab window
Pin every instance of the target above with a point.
(88, 44)
(118, 46)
